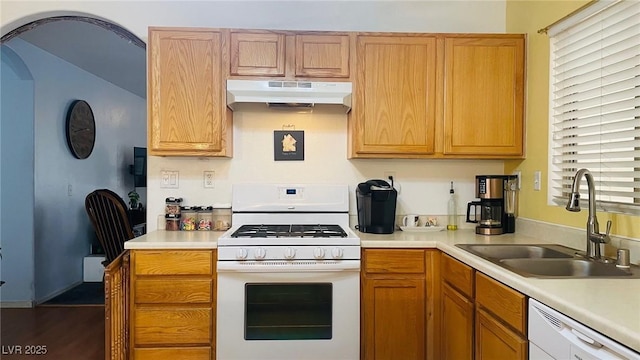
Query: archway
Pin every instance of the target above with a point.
(60, 232)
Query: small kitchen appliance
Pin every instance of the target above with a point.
(289, 275)
(495, 213)
(376, 203)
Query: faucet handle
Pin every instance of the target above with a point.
(608, 228)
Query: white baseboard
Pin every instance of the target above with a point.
(16, 304)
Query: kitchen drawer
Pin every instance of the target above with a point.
(173, 262)
(385, 261)
(172, 291)
(506, 304)
(457, 274)
(169, 326)
(182, 353)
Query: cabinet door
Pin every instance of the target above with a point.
(484, 96)
(394, 110)
(257, 54)
(187, 112)
(393, 319)
(456, 333)
(496, 341)
(322, 55)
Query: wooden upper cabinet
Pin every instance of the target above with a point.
(187, 110)
(484, 96)
(289, 55)
(322, 56)
(257, 53)
(394, 110)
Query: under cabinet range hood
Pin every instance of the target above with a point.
(294, 94)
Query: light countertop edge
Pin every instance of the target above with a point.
(609, 306)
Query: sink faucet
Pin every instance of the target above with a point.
(593, 231)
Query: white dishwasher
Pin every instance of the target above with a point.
(554, 336)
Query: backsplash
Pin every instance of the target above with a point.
(423, 185)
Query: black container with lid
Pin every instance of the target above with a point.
(172, 222)
(172, 205)
(189, 215)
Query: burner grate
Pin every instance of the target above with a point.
(267, 231)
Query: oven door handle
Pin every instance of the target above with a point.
(288, 266)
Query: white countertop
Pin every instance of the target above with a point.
(162, 239)
(610, 306)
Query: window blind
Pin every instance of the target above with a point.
(595, 105)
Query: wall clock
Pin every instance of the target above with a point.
(80, 129)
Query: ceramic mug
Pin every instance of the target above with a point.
(410, 221)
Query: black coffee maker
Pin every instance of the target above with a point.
(376, 202)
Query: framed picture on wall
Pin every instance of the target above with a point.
(288, 145)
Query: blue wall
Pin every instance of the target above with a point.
(62, 232)
(16, 180)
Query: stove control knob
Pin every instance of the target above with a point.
(289, 253)
(318, 253)
(241, 254)
(260, 253)
(337, 253)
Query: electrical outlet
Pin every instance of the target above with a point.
(388, 175)
(518, 175)
(209, 175)
(69, 190)
(169, 179)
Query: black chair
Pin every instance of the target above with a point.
(110, 220)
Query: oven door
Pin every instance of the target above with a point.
(288, 310)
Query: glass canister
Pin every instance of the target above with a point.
(221, 217)
(172, 222)
(172, 206)
(205, 218)
(189, 218)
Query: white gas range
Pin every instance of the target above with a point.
(288, 275)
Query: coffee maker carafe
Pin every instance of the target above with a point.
(495, 212)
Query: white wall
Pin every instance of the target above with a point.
(62, 230)
(424, 183)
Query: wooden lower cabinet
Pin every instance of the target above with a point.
(457, 310)
(456, 332)
(394, 319)
(480, 318)
(397, 310)
(182, 353)
(496, 341)
(173, 304)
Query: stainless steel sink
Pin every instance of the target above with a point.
(547, 261)
(571, 268)
(512, 251)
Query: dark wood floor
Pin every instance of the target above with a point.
(67, 332)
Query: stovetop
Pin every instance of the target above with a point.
(304, 235)
(289, 231)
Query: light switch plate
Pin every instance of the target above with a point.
(169, 179)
